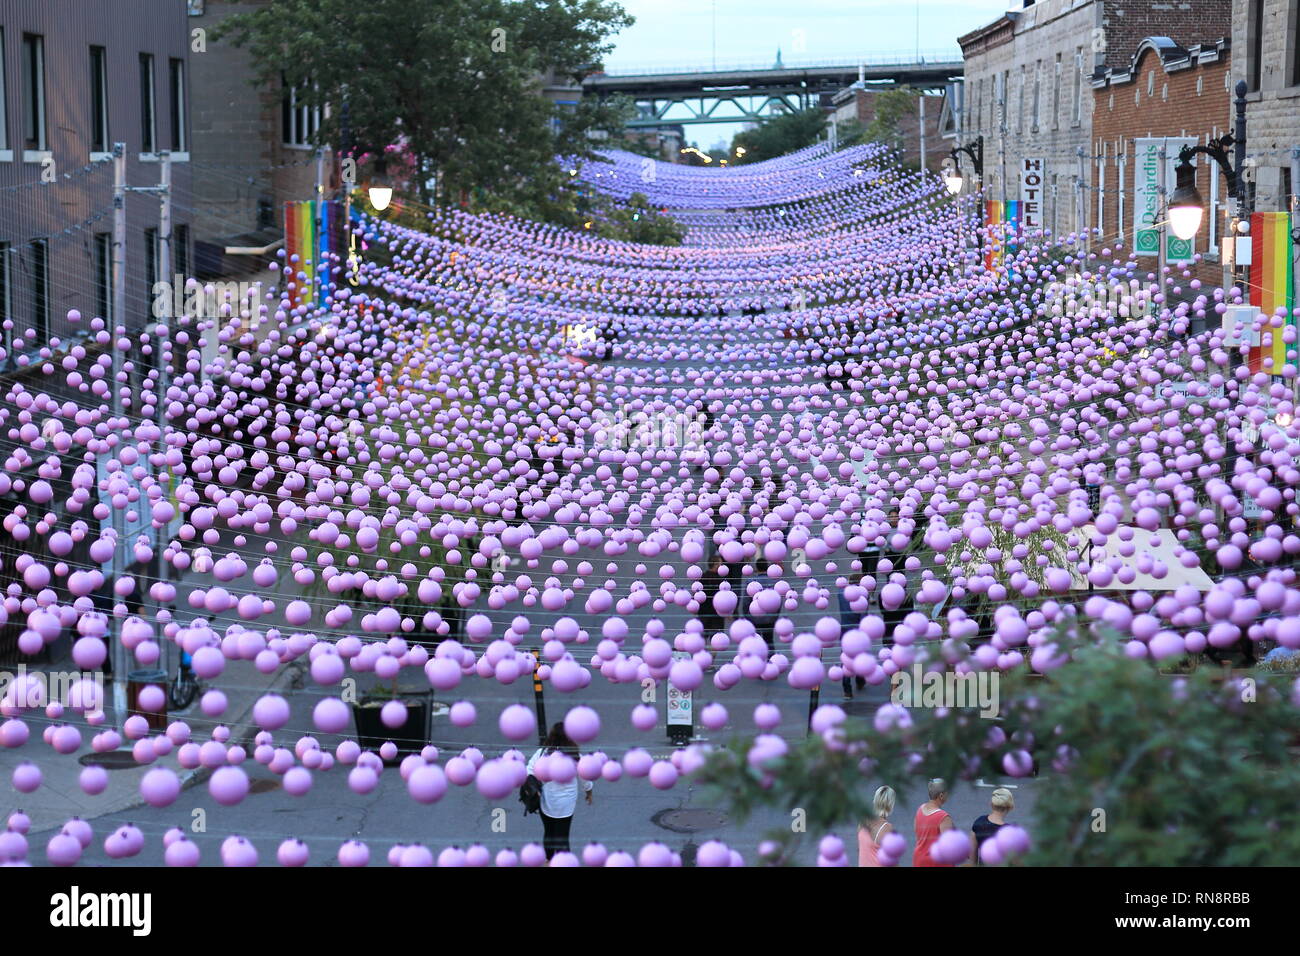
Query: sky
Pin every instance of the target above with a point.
(682, 33)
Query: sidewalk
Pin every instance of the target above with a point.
(60, 796)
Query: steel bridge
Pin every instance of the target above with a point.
(749, 94)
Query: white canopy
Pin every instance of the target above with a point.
(1141, 542)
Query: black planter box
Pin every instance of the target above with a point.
(411, 737)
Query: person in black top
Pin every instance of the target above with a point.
(1002, 803)
(711, 581)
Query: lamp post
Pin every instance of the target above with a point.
(953, 179)
(973, 149)
(1186, 205)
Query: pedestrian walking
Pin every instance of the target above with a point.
(1001, 803)
(559, 800)
(931, 821)
(711, 584)
(874, 830)
(849, 619)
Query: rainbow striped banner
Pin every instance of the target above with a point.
(1272, 284)
(313, 230)
(1002, 221)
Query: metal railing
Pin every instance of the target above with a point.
(731, 66)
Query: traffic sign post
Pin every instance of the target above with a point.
(681, 715)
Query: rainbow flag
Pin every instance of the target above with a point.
(313, 230)
(1002, 221)
(1272, 284)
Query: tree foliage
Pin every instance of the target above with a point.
(1136, 767)
(886, 126)
(780, 135)
(456, 80)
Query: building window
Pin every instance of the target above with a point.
(1255, 44)
(181, 245)
(98, 100)
(148, 121)
(176, 83)
(1295, 44)
(298, 121)
(33, 92)
(4, 98)
(1003, 96)
(1056, 94)
(102, 251)
(1077, 113)
(1038, 90)
(41, 291)
(151, 275)
(1020, 109)
(6, 304)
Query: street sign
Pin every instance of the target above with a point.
(681, 718)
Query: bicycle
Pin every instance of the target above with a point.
(184, 686)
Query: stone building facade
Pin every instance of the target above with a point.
(1028, 88)
(1266, 38)
(1164, 90)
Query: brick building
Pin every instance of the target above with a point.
(858, 104)
(1164, 90)
(1027, 78)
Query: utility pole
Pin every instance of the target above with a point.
(1163, 213)
(1081, 211)
(116, 650)
(921, 101)
(1002, 139)
(1241, 274)
(162, 350)
(320, 266)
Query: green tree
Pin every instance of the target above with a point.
(886, 126)
(780, 135)
(1136, 767)
(458, 80)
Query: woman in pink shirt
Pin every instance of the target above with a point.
(871, 833)
(931, 821)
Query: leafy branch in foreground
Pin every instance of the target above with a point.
(1134, 767)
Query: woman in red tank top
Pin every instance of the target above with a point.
(931, 821)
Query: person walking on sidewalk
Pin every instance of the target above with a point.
(559, 800)
(871, 833)
(931, 821)
(1001, 802)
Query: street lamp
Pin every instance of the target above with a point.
(379, 191)
(1186, 205)
(952, 179)
(973, 149)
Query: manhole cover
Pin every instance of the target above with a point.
(689, 820)
(109, 760)
(263, 785)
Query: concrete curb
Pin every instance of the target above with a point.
(242, 731)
